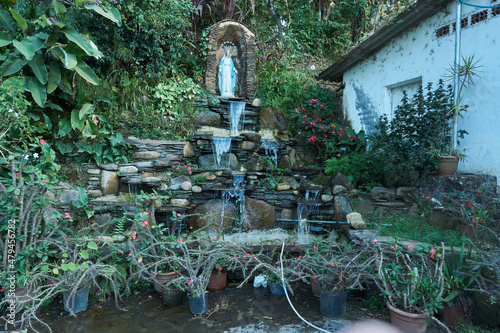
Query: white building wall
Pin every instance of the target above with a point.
(420, 55)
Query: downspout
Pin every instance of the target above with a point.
(456, 74)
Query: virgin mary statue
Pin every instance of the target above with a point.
(228, 75)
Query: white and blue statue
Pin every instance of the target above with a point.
(228, 75)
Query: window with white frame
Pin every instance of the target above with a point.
(395, 92)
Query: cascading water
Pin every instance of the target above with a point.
(132, 190)
(235, 111)
(238, 194)
(310, 206)
(271, 148)
(222, 145)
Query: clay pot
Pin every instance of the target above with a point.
(218, 281)
(408, 322)
(315, 287)
(447, 165)
(460, 311)
(163, 279)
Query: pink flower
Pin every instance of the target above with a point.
(189, 168)
(300, 257)
(332, 264)
(145, 223)
(234, 256)
(253, 255)
(130, 254)
(215, 238)
(56, 200)
(374, 241)
(67, 215)
(17, 173)
(42, 141)
(220, 268)
(410, 247)
(2, 290)
(433, 251)
(190, 172)
(180, 240)
(469, 205)
(178, 162)
(51, 283)
(190, 282)
(120, 251)
(296, 111)
(173, 166)
(314, 247)
(479, 191)
(45, 181)
(201, 217)
(314, 277)
(178, 168)
(427, 197)
(296, 244)
(152, 194)
(488, 246)
(179, 215)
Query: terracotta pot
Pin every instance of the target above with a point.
(459, 312)
(315, 287)
(447, 165)
(218, 281)
(163, 279)
(408, 322)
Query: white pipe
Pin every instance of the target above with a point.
(456, 77)
(288, 298)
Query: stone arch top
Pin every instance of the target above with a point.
(243, 57)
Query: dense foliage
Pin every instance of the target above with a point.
(420, 129)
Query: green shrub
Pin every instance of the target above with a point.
(408, 142)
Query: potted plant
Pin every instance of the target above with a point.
(150, 242)
(337, 269)
(411, 280)
(218, 278)
(460, 276)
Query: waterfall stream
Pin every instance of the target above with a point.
(222, 145)
(235, 111)
(310, 206)
(271, 148)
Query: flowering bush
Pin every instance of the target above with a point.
(332, 139)
(410, 277)
(179, 169)
(337, 268)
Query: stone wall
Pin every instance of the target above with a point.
(271, 197)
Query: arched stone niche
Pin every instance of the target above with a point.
(243, 57)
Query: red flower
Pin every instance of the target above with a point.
(469, 205)
(220, 268)
(296, 244)
(332, 264)
(314, 277)
(479, 191)
(42, 141)
(297, 111)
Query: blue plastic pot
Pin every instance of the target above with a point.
(198, 304)
(277, 289)
(78, 302)
(332, 305)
